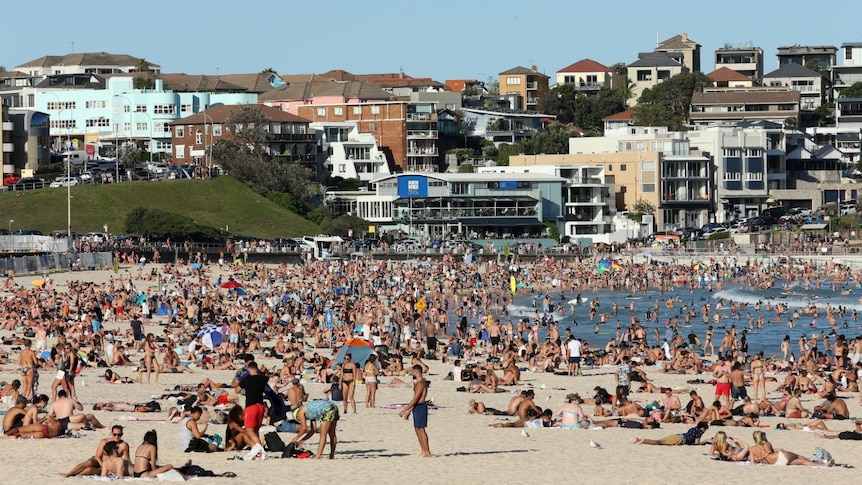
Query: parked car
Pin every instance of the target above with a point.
(30, 183)
(10, 179)
(64, 181)
(26, 232)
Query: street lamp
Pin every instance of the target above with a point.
(68, 176)
(116, 162)
(207, 156)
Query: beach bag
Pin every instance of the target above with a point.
(273, 441)
(820, 455)
(198, 445)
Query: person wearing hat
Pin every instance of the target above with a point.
(296, 394)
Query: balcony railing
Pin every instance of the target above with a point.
(585, 199)
(422, 152)
(805, 89)
(275, 137)
(418, 117)
(421, 133)
(531, 101)
(532, 86)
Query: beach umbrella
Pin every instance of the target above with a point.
(231, 284)
(142, 298)
(211, 336)
(359, 350)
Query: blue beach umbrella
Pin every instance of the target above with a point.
(211, 336)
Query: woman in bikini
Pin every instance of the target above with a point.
(572, 414)
(728, 448)
(757, 376)
(348, 381)
(46, 428)
(371, 373)
(150, 362)
(762, 452)
(146, 457)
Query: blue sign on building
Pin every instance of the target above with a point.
(413, 186)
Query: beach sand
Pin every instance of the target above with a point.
(376, 446)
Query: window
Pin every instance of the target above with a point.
(96, 104)
(185, 108)
(163, 146)
(663, 75)
(648, 187)
(375, 110)
(372, 126)
(160, 128)
(569, 79)
(141, 127)
(848, 53)
(127, 127)
(644, 75)
(216, 130)
(622, 167)
(648, 166)
(357, 110)
(179, 131)
(100, 122)
(140, 108)
(180, 151)
(164, 109)
(55, 106)
(321, 111)
(513, 81)
(339, 111)
(198, 138)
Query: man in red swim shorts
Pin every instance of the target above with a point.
(721, 372)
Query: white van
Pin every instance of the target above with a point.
(77, 157)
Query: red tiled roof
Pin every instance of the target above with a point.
(586, 65)
(727, 74)
(626, 115)
(219, 114)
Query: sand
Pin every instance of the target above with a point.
(377, 446)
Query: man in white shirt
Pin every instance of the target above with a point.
(573, 346)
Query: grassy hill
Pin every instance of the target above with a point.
(222, 203)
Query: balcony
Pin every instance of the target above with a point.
(806, 89)
(431, 134)
(532, 86)
(422, 152)
(685, 198)
(586, 181)
(419, 117)
(593, 86)
(306, 137)
(421, 167)
(586, 200)
(532, 101)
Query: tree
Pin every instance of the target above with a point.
(816, 66)
(505, 150)
(668, 103)
(641, 208)
(143, 81)
(578, 109)
(142, 220)
(553, 140)
(341, 226)
(246, 156)
(492, 85)
(852, 91)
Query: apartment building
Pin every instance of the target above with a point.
(289, 138)
(651, 68)
(812, 87)
(87, 63)
(529, 85)
(688, 48)
(824, 55)
(745, 59)
(347, 152)
(849, 71)
(586, 76)
(725, 106)
(728, 78)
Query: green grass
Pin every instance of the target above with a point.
(222, 203)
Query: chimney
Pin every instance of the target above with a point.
(534, 69)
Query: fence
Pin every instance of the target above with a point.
(53, 262)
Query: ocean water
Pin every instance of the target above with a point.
(766, 339)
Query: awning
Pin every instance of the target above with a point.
(813, 227)
(501, 221)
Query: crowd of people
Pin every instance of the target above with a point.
(413, 311)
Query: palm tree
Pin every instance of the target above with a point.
(268, 70)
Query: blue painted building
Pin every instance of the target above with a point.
(87, 108)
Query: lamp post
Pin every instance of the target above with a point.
(117, 162)
(68, 178)
(11, 221)
(207, 156)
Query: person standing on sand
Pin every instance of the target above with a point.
(419, 407)
(721, 372)
(28, 363)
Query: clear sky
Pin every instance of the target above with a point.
(442, 39)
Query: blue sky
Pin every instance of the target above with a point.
(443, 39)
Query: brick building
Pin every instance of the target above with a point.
(290, 138)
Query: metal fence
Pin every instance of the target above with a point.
(54, 262)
